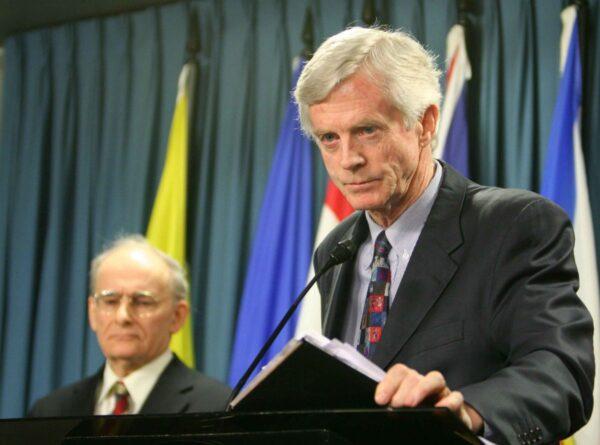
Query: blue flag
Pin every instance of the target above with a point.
(558, 181)
(281, 249)
(453, 136)
(565, 182)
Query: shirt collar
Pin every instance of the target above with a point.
(139, 383)
(413, 218)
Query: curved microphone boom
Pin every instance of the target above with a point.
(342, 252)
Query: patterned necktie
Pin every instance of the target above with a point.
(122, 404)
(378, 297)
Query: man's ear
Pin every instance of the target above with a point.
(429, 122)
(182, 308)
(91, 313)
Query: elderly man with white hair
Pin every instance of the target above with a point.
(137, 302)
(464, 294)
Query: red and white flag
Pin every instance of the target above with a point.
(335, 209)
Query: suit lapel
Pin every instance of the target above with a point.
(429, 270)
(341, 283)
(84, 396)
(340, 287)
(168, 394)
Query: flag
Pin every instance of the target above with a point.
(565, 182)
(453, 141)
(335, 209)
(281, 249)
(167, 226)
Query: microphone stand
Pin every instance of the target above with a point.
(343, 251)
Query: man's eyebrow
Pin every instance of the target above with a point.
(368, 123)
(321, 132)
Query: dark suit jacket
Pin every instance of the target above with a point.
(488, 299)
(178, 390)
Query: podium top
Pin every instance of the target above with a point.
(413, 425)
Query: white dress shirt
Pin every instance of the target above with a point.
(139, 384)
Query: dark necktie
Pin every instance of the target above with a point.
(378, 297)
(122, 404)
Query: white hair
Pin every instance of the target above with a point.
(404, 71)
(179, 284)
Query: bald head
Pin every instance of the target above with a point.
(137, 248)
(136, 303)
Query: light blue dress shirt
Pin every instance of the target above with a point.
(402, 235)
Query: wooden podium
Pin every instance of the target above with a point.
(334, 427)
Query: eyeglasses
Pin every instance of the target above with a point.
(140, 303)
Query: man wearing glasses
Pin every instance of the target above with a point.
(137, 301)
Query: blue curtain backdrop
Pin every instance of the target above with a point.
(86, 110)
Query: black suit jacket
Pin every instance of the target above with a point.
(177, 390)
(488, 299)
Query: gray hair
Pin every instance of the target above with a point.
(404, 71)
(179, 284)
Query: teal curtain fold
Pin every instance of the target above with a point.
(86, 110)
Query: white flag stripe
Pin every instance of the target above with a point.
(310, 312)
(585, 257)
(567, 16)
(585, 247)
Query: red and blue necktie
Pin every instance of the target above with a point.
(378, 298)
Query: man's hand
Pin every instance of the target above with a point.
(405, 387)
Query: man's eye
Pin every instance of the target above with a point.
(143, 302)
(328, 137)
(369, 130)
(111, 301)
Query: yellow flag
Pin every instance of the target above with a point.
(569, 441)
(167, 226)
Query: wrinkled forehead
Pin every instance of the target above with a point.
(356, 99)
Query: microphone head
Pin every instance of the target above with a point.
(343, 251)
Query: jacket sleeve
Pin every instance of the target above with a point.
(542, 328)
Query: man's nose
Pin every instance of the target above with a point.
(123, 314)
(351, 155)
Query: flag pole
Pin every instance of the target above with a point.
(463, 7)
(308, 35)
(369, 13)
(192, 48)
(582, 18)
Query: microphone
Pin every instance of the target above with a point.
(342, 252)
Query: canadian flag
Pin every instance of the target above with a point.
(335, 209)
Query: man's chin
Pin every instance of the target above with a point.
(124, 353)
(365, 202)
